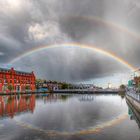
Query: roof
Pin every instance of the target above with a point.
(17, 71)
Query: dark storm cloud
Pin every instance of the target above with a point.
(27, 24)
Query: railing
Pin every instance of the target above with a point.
(134, 95)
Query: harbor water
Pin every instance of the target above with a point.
(67, 117)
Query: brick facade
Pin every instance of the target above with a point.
(13, 80)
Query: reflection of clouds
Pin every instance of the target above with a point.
(73, 113)
(1, 126)
(91, 130)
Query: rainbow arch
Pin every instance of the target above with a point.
(108, 23)
(93, 48)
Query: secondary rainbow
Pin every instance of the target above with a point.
(108, 23)
(93, 48)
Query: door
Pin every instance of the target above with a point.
(18, 88)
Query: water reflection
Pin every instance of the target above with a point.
(86, 98)
(74, 110)
(61, 116)
(133, 113)
(18, 104)
(15, 105)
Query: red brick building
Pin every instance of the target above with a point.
(13, 80)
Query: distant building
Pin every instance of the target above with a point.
(137, 81)
(13, 80)
(50, 85)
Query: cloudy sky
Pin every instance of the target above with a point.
(107, 24)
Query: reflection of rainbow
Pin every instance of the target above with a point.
(99, 50)
(93, 130)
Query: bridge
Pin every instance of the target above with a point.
(86, 89)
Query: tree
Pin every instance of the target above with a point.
(64, 86)
(122, 90)
(10, 87)
(27, 87)
(39, 83)
(122, 87)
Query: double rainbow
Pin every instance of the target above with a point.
(94, 48)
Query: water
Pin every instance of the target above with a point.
(67, 117)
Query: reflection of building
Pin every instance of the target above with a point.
(11, 105)
(56, 97)
(13, 80)
(86, 98)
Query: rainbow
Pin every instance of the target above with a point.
(108, 23)
(105, 52)
(93, 48)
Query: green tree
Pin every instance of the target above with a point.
(38, 82)
(122, 91)
(122, 87)
(10, 87)
(27, 87)
(64, 86)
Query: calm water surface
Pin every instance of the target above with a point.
(67, 117)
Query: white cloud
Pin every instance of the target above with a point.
(1, 53)
(11, 5)
(43, 31)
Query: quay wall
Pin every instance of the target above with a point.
(135, 103)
